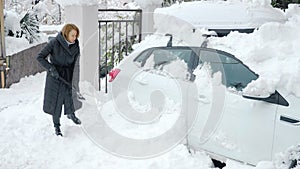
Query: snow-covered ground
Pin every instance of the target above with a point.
(27, 138)
(28, 141)
(27, 135)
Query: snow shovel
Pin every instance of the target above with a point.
(79, 95)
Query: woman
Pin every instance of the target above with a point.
(64, 51)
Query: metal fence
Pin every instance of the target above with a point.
(119, 29)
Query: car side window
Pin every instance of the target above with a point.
(141, 58)
(234, 73)
(176, 61)
(157, 57)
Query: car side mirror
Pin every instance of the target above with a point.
(274, 98)
(254, 97)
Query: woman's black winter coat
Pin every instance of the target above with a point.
(63, 57)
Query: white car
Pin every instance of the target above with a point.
(227, 123)
(220, 16)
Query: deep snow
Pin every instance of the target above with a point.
(265, 51)
(28, 141)
(221, 14)
(27, 135)
(272, 51)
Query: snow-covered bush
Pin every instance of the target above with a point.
(283, 4)
(12, 23)
(46, 11)
(290, 159)
(22, 18)
(30, 27)
(23, 25)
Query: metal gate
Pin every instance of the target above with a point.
(119, 29)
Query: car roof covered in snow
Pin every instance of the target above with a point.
(223, 14)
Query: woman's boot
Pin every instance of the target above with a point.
(57, 130)
(74, 118)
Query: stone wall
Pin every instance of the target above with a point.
(24, 64)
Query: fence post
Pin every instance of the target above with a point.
(2, 74)
(3, 59)
(86, 18)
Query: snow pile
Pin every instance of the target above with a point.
(178, 68)
(51, 30)
(120, 4)
(272, 52)
(41, 9)
(220, 14)
(254, 2)
(230, 164)
(12, 21)
(128, 129)
(289, 159)
(77, 2)
(28, 141)
(181, 30)
(145, 3)
(293, 9)
(15, 45)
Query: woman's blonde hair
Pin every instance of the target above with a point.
(67, 29)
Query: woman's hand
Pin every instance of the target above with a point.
(53, 72)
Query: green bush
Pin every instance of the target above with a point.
(283, 4)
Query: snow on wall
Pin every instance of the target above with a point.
(145, 3)
(119, 4)
(254, 2)
(76, 2)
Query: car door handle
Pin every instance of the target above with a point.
(141, 82)
(292, 121)
(203, 99)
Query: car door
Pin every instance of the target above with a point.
(287, 126)
(150, 92)
(166, 71)
(229, 125)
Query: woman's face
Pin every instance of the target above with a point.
(72, 36)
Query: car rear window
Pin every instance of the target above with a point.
(157, 57)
